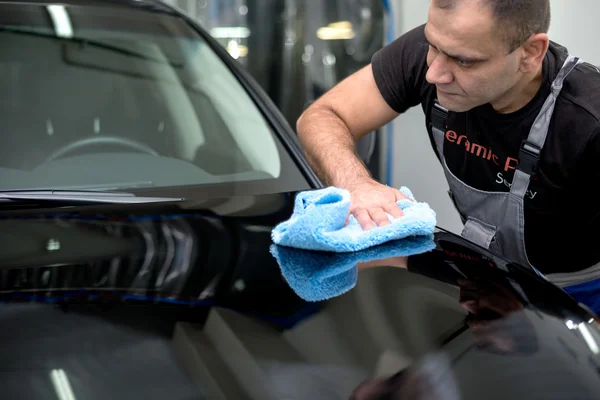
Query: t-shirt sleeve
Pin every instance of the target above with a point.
(400, 68)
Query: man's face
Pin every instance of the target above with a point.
(467, 62)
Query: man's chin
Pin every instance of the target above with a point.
(453, 102)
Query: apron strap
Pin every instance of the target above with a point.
(478, 232)
(439, 116)
(529, 153)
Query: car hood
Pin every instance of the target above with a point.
(431, 317)
(184, 251)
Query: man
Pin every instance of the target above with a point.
(511, 115)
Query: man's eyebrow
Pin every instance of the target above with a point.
(456, 56)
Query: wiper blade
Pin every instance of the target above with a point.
(94, 43)
(78, 197)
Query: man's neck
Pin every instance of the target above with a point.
(520, 94)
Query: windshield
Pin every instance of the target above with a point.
(99, 97)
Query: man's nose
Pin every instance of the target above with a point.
(439, 72)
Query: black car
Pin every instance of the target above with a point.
(141, 174)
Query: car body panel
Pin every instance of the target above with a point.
(210, 269)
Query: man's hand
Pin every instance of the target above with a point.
(370, 201)
(487, 295)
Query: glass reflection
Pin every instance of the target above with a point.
(296, 49)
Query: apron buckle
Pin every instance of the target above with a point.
(439, 115)
(529, 156)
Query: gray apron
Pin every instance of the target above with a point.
(495, 220)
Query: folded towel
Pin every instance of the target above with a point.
(317, 223)
(319, 275)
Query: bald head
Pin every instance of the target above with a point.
(516, 20)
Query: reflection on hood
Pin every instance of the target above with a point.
(429, 379)
(317, 276)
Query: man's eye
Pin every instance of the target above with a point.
(464, 63)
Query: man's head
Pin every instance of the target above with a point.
(486, 51)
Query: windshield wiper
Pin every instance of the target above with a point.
(94, 43)
(79, 197)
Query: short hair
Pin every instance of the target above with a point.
(516, 20)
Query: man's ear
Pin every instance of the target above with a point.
(534, 51)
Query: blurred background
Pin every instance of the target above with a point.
(298, 49)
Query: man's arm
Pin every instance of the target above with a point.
(330, 128)
(360, 104)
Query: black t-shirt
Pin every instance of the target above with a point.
(561, 210)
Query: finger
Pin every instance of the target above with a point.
(500, 305)
(466, 291)
(504, 290)
(364, 219)
(380, 217)
(401, 196)
(394, 210)
(485, 303)
(466, 283)
(370, 389)
(469, 305)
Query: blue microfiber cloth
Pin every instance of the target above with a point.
(317, 223)
(318, 275)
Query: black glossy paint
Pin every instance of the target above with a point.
(173, 254)
(473, 325)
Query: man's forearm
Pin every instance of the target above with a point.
(330, 148)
